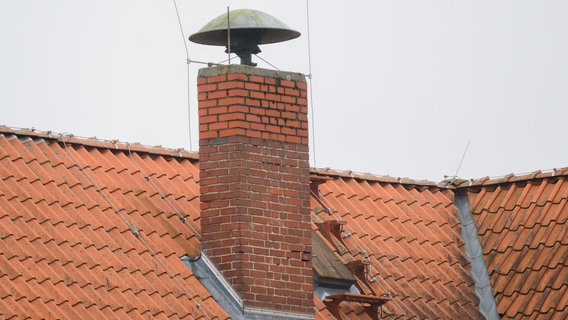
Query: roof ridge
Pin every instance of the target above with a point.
(378, 178)
(115, 144)
(112, 144)
(511, 178)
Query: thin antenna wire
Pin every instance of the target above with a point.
(221, 62)
(172, 275)
(228, 35)
(310, 87)
(182, 218)
(99, 190)
(181, 29)
(188, 106)
(131, 226)
(309, 46)
(273, 66)
(188, 61)
(461, 161)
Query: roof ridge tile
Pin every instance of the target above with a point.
(512, 178)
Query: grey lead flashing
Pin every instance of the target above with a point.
(264, 314)
(208, 275)
(215, 283)
(474, 253)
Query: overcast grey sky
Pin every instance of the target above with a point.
(399, 87)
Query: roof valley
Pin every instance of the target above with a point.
(474, 253)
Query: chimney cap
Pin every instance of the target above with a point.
(249, 28)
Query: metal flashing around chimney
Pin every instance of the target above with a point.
(215, 283)
(265, 314)
(208, 275)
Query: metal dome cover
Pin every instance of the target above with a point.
(247, 26)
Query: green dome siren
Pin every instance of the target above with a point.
(244, 30)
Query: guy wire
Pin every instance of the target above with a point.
(188, 61)
(310, 86)
(147, 177)
(461, 161)
(131, 226)
(270, 64)
(228, 35)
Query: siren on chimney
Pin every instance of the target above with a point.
(242, 30)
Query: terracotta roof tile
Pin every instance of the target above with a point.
(71, 253)
(411, 237)
(66, 252)
(522, 223)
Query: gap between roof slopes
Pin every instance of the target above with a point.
(449, 183)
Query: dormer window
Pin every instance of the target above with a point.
(331, 276)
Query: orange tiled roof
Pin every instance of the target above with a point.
(522, 224)
(410, 234)
(69, 250)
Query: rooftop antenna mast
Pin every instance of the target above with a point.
(229, 34)
(461, 161)
(241, 31)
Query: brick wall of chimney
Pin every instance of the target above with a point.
(254, 180)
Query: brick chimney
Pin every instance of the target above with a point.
(255, 193)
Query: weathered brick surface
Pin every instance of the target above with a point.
(280, 107)
(254, 179)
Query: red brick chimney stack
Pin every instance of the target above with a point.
(254, 179)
